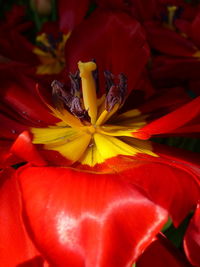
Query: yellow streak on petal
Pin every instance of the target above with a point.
(197, 54)
(110, 147)
(92, 156)
(73, 149)
(143, 146)
(54, 68)
(89, 88)
(53, 136)
(67, 117)
(40, 52)
(129, 114)
(113, 130)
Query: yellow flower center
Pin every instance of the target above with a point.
(90, 131)
(50, 52)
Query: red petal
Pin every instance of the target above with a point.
(7, 158)
(180, 156)
(144, 10)
(71, 13)
(89, 219)
(26, 104)
(24, 149)
(192, 239)
(16, 247)
(125, 53)
(196, 29)
(164, 101)
(172, 121)
(9, 128)
(166, 183)
(168, 41)
(168, 71)
(161, 253)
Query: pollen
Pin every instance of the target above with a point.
(50, 52)
(91, 128)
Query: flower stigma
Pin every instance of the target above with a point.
(50, 51)
(91, 128)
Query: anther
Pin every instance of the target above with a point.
(60, 96)
(77, 109)
(109, 77)
(75, 83)
(113, 97)
(116, 93)
(122, 86)
(73, 103)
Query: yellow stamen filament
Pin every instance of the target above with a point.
(106, 115)
(67, 117)
(89, 88)
(171, 13)
(102, 117)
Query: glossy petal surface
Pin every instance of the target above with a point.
(167, 183)
(89, 219)
(16, 247)
(172, 121)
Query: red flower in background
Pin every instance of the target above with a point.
(94, 184)
(173, 32)
(172, 29)
(47, 55)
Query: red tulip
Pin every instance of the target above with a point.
(47, 56)
(94, 187)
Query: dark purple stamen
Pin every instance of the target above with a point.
(113, 97)
(116, 93)
(109, 77)
(75, 83)
(62, 97)
(76, 108)
(122, 86)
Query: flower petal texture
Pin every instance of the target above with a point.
(89, 219)
(16, 247)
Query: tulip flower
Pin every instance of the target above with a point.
(46, 57)
(172, 30)
(95, 191)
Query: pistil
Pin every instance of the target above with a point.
(89, 89)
